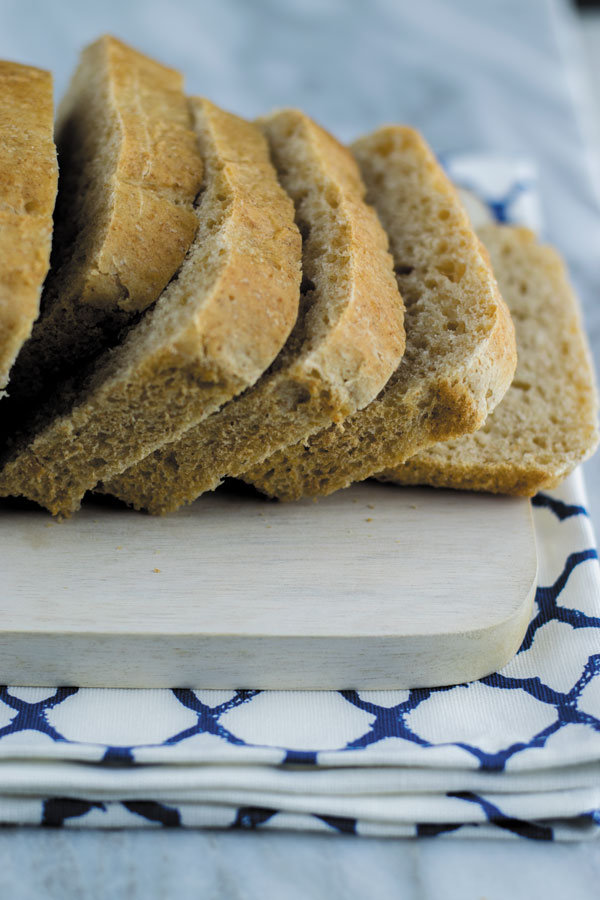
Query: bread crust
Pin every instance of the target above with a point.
(548, 421)
(345, 345)
(438, 257)
(212, 333)
(28, 180)
(129, 172)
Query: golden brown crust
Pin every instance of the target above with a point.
(460, 351)
(28, 177)
(211, 334)
(547, 422)
(361, 338)
(130, 170)
(156, 174)
(346, 343)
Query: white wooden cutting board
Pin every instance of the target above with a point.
(374, 587)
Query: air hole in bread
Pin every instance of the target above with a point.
(456, 327)
(452, 269)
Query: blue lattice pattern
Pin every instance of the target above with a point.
(454, 747)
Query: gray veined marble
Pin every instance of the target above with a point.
(503, 75)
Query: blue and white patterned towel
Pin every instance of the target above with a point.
(516, 754)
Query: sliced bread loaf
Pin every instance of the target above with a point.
(548, 421)
(460, 348)
(130, 169)
(217, 326)
(347, 341)
(28, 175)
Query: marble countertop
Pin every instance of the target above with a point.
(155, 865)
(502, 76)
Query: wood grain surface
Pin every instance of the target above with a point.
(373, 587)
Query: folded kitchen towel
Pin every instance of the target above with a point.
(516, 754)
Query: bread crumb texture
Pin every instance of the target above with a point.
(347, 340)
(130, 169)
(28, 179)
(548, 421)
(217, 326)
(460, 347)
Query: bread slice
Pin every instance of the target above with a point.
(460, 348)
(130, 169)
(28, 176)
(346, 343)
(218, 325)
(548, 421)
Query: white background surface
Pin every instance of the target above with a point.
(504, 75)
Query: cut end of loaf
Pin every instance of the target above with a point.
(127, 149)
(28, 180)
(548, 421)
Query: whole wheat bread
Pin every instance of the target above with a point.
(347, 341)
(130, 169)
(460, 348)
(548, 421)
(28, 176)
(217, 326)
